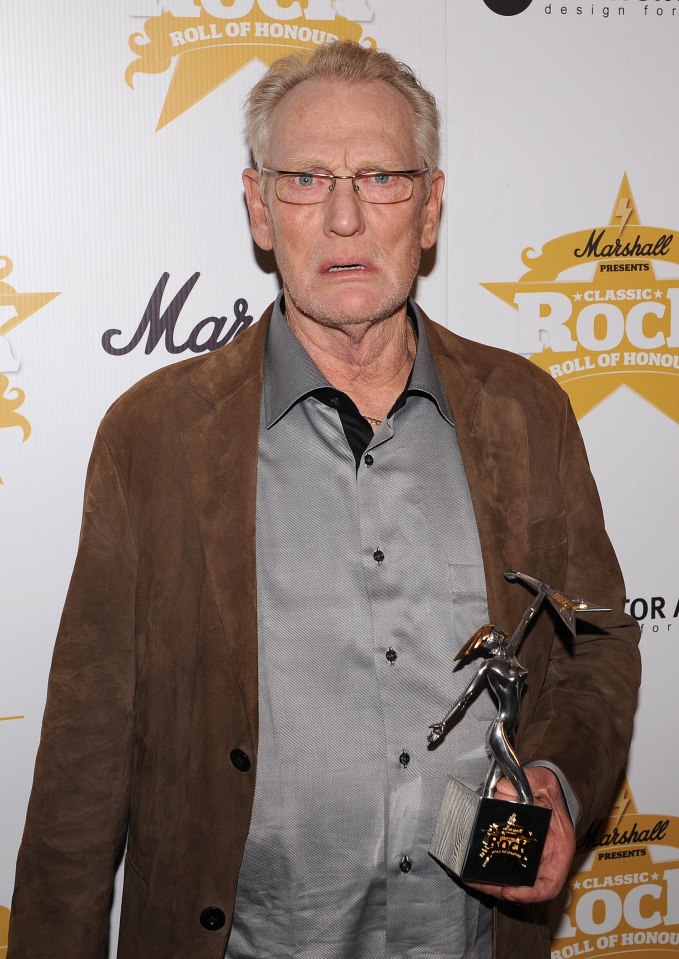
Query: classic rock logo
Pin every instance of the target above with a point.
(14, 309)
(618, 325)
(210, 40)
(624, 900)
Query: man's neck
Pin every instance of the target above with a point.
(371, 363)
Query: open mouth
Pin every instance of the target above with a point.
(346, 266)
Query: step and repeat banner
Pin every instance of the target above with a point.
(124, 246)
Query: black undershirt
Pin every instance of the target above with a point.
(357, 429)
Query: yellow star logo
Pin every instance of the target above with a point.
(14, 309)
(208, 51)
(625, 870)
(596, 309)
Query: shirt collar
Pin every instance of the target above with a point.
(425, 377)
(290, 374)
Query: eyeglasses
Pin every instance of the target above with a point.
(375, 186)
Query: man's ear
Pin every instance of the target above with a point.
(258, 210)
(431, 211)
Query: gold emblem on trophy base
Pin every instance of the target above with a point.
(508, 839)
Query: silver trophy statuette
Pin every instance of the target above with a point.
(478, 837)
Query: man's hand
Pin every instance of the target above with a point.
(559, 845)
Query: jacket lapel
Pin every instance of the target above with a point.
(491, 432)
(221, 450)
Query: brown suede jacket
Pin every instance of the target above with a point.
(151, 723)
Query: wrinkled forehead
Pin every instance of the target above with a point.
(322, 115)
(322, 92)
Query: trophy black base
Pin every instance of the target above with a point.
(489, 840)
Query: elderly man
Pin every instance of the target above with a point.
(283, 547)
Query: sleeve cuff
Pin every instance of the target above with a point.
(569, 796)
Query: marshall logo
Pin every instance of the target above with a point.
(619, 326)
(208, 334)
(598, 249)
(208, 41)
(598, 835)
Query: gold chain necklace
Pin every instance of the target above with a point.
(372, 420)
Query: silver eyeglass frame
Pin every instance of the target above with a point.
(333, 177)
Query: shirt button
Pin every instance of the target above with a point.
(404, 758)
(240, 760)
(334, 401)
(406, 864)
(368, 460)
(378, 556)
(391, 654)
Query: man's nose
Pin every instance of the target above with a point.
(343, 210)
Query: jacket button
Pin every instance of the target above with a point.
(378, 556)
(391, 654)
(406, 864)
(404, 758)
(240, 760)
(212, 918)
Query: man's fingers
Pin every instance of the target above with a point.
(559, 848)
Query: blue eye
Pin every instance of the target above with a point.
(381, 178)
(305, 179)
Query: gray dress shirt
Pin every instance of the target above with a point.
(369, 580)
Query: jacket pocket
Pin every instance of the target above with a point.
(548, 531)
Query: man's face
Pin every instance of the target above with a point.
(326, 126)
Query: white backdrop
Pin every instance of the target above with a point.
(108, 185)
